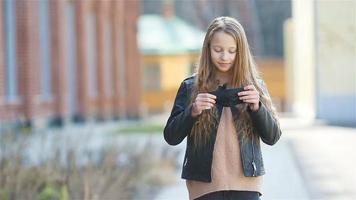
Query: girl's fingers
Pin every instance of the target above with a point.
(249, 92)
(250, 87)
(206, 100)
(204, 105)
(249, 97)
(206, 108)
(207, 95)
(251, 101)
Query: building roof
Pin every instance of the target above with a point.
(158, 35)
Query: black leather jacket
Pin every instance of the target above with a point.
(197, 163)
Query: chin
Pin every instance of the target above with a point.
(224, 69)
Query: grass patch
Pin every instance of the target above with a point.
(141, 128)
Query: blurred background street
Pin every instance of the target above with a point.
(86, 88)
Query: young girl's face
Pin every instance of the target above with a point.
(223, 51)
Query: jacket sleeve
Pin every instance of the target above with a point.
(180, 122)
(266, 125)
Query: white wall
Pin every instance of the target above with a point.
(301, 63)
(336, 60)
(320, 46)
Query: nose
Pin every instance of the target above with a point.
(224, 56)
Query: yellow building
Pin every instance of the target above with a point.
(170, 49)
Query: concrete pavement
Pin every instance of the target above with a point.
(326, 157)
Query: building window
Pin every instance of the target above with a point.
(11, 90)
(92, 55)
(152, 77)
(45, 50)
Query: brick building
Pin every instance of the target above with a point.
(68, 60)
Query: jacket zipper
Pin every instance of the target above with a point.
(185, 162)
(253, 158)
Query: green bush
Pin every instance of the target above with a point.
(50, 192)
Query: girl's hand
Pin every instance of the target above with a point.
(250, 96)
(203, 101)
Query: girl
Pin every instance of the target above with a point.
(223, 157)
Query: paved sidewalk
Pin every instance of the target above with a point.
(326, 157)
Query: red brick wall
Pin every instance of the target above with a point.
(28, 62)
(122, 15)
(132, 59)
(29, 104)
(101, 18)
(82, 101)
(58, 58)
(8, 110)
(119, 58)
(27, 59)
(93, 109)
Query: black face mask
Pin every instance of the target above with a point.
(227, 97)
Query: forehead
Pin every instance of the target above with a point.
(223, 39)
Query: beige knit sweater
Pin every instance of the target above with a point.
(227, 172)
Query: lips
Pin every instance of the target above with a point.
(224, 64)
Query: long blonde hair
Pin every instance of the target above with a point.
(244, 72)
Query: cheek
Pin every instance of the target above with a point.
(232, 57)
(214, 56)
